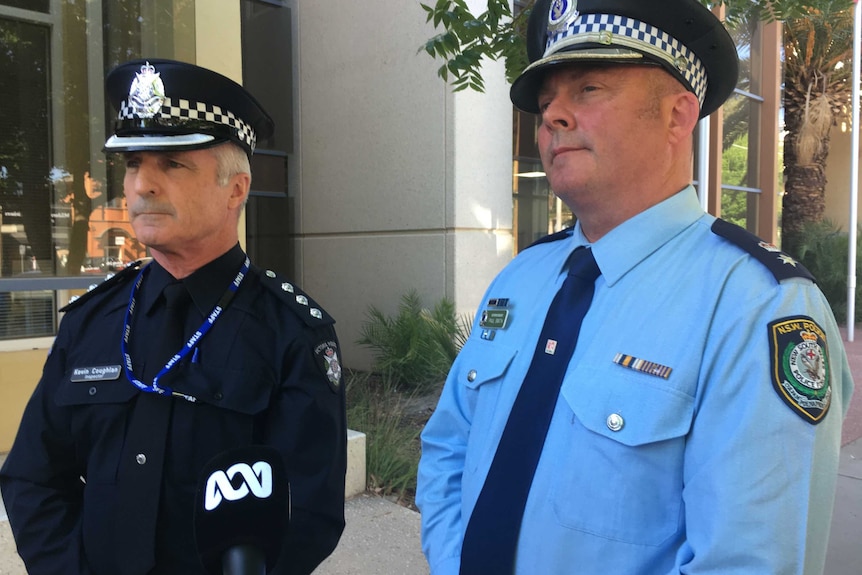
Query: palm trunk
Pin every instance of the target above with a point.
(804, 199)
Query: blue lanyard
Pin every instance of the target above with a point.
(187, 347)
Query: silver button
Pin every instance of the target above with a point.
(615, 422)
(270, 274)
(471, 375)
(93, 391)
(141, 458)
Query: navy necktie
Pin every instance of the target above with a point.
(491, 537)
(141, 468)
(171, 337)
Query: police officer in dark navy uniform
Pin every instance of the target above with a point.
(135, 398)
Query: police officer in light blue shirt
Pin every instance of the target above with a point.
(698, 424)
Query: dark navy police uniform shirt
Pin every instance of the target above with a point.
(259, 376)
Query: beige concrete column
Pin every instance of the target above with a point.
(218, 46)
(397, 183)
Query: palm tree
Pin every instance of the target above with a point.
(817, 90)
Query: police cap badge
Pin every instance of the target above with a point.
(170, 105)
(681, 36)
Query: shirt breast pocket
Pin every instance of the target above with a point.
(98, 414)
(244, 391)
(230, 410)
(622, 468)
(83, 393)
(484, 370)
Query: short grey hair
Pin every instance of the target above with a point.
(231, 160)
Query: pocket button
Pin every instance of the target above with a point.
(615, 422)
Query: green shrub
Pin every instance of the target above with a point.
(413, 353)
(416, 348)
(392, 438)
(823, 250)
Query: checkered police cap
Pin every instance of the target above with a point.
(169, 105)
(681, 36)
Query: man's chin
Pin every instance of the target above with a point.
(150, 236)
(566, 186)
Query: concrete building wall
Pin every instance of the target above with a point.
(838, 177)
(398, 183)
(18, 377)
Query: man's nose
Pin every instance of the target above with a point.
(557, 116)
(141, 180)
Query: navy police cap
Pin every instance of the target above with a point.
(681, 36)
(170, 105)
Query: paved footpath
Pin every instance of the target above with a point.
(844, 556)
(382, 538)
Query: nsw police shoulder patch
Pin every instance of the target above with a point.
(800, 366)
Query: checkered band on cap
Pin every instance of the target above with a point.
(189, 110)
(614, 30)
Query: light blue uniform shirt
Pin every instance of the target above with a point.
(705, 470)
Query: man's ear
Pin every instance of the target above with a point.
(684, 113)
(240, 184)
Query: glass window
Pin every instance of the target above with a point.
(740, 193)
(267, 71)
(25, 149)
(62, 213)
(35, 5)
(267, 218)
(537, 211)
(267, 66)
(27, 314)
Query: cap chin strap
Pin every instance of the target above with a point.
(157, 142)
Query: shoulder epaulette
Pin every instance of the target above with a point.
(779, 263)
(300, 302)
(560, 235)
(116, 279)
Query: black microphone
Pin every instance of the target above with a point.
(242, 510)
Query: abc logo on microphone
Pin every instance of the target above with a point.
(256, 479)
(243, 499)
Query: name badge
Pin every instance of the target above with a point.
(494, 318)
(97, 373)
